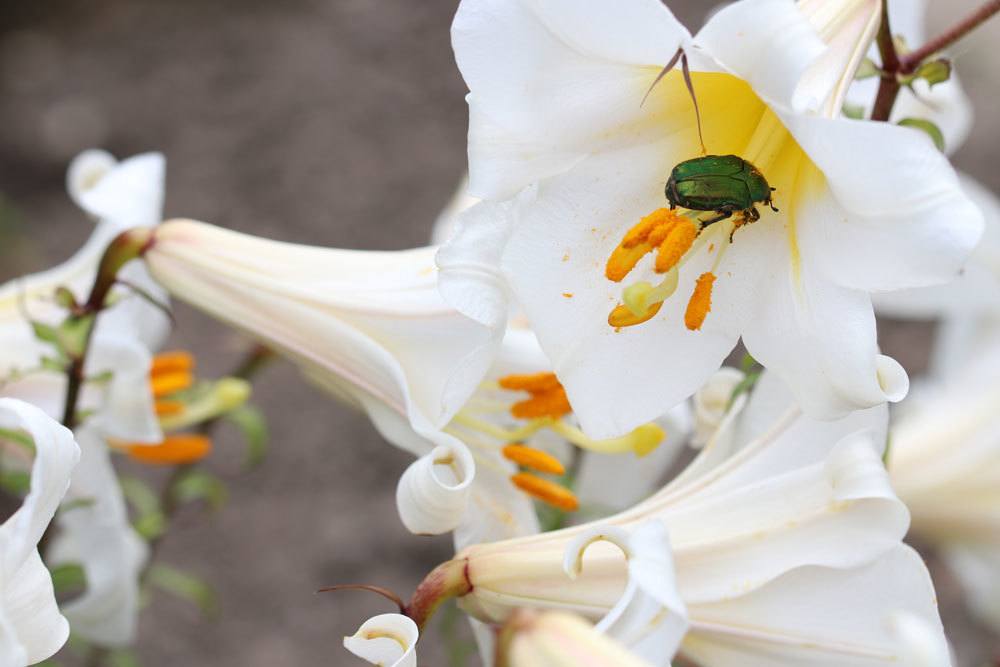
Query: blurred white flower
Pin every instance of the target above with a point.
(558, 639)
(557, 123)
(31, 627)
(96, 533)
(387, 640)
(770, 545)
(944, 460)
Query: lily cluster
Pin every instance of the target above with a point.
(640, 200)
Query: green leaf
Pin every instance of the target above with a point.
(253, 426)
(745, 385)
(68, 577)
(45, 332)
(185, 586)
(933, 71)
(747, 363)
(15, 482)
(853, 111)
(867, 69)
(73, 334)
(201, 485)
(57, 365)
(150, 520)
(64, 297)
(932, 130)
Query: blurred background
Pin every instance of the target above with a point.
(329, 122)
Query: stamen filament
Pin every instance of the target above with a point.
(641, 440)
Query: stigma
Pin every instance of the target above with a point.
(673, 237)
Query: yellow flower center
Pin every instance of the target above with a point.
(735, 122)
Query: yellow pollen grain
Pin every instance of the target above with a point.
(701, 302)
(533, 382)
(164, 384)
(675, 245)
(174, 450)
(546, 491)
(171, 362)
(536, 459)
(622, 316)
(168, 408)
(552, 403)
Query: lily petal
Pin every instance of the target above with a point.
(389, 640)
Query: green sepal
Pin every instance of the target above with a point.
(932, 130)
(853, 111)
(65, 298)
(867, 70)
(932, 71)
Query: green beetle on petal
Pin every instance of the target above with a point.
(726, 184)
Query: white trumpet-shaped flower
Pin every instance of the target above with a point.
(787, 552)
(558, 639)
(368, 326)
(388, 640)
(31, 627)
(96, 533)
(650, 618)
(944, 460)
(572, 157)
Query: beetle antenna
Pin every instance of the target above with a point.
(663, 72)
(694, 98)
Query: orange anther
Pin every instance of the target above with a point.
(621, 316)
(640, 232)
(546, 491)
(536, 459)
(168, 408)
(677, 242)
(533, 382)
(553, 403)
(174, 450)
(172, 362)
(623, 260)
(700, 303)
(164, 384)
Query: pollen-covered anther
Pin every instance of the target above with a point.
(171, 372)
(175, 449)
(675, 245)
(640, 240)
(547, 491)
(167, 408)
(622, 315)
(700, 303)
(548, 398)
(536, 459)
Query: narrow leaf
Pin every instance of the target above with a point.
(185, 586)
(201, 485)
(253, 426)
(932, 130)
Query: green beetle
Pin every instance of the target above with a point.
(725, 184)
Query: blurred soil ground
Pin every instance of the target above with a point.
(331, 122)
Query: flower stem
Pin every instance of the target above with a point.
(909, 62)
(895, 65)
(448, 580)
(888, 86)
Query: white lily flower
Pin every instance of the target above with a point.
(388, 640)
(787, 552)
(650, 618)
(557, 101)
(944, 459)
(944, 104)
(97, 534)
(31, 627)
(557, 639)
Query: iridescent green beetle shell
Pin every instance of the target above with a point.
(722, 183)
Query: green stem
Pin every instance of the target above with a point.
(909, 62)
